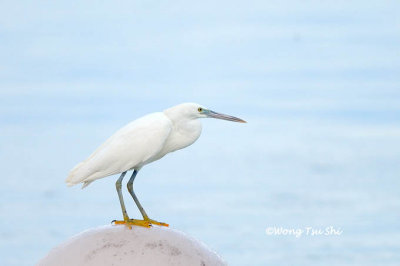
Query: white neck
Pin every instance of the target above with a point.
(184, 133)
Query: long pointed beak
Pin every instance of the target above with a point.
(224, 117)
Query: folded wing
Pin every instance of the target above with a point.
(130, 147)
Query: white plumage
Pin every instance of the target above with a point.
(140, 142)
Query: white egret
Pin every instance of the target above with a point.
(143, 141)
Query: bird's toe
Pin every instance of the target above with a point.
(158, 223)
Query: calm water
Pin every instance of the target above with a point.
(319, 84)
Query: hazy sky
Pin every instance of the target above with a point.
(330, 57)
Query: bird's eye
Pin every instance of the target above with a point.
(200, 109)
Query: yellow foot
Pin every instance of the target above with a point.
(145, 223)
(132, 222)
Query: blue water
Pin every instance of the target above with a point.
(318, 83)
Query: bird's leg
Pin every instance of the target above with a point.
(118, 186)
(130, 189)
(142, 211)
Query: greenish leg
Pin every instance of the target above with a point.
(142, 211)
(118, 185)
(130, 189)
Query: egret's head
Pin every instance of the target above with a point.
(194, 110)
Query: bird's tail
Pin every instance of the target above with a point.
(75, 175)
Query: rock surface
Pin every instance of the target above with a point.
(120, 246)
